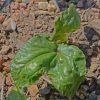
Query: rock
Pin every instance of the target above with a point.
(89, 52)
(6, 69)
(1, 67)
(51, 8)
(89, 3)
(98, 90)
(74, 1)
(19, 1)
(95, 38)
(4, 49)
(41, 12)
(82, 37)
(8, 80)
(82, 97)
(26, 1)
(85, 87)
(93, 67)
(43, 5)
(56, 3)
(93, 96)
(80, 4)
(45, 91)
(19, 44)
(98, 81)
(10, 56)
(99, 43)
(98, 3)
(1, 60)
(32, 98)
(95, 43)
(5, 23)
(23, 6)
(33, 90)
(11, 26)
(26, 12)
(98, 98)
(2, 18)
(40, 0)
(14, 5)
(15, 16)
(62, 5)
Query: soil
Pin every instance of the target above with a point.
(28, 20)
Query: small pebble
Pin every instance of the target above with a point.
(98, 98)
(11, 26)
(5, 23)
(43, 5)
(93, 96)
(95, 38)
(19, 1)
(89, 52)
(2, 18)
(80, 4)
(82, 97)
(99, 43)
(8, 80)
(44, 91)
(26, 1)
(1, 59)
(98, 81)
(6, 69)
(51, 8)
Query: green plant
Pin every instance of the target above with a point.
(64, 63)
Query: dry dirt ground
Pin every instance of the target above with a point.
(36, 18)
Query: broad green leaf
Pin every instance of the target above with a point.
(68, 21)
(32, 60)
(15, 95)
(67, 69)
(64, 63)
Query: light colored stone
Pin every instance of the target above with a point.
(98, 3)
(14, 5)
(4, 49)
(26, 1)
(40, 0)
(5, 23)
(19, 1)
(33, 90)
(98, 98)
(52, 8)
(98, 81)
(43, 5)
(11, 26)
